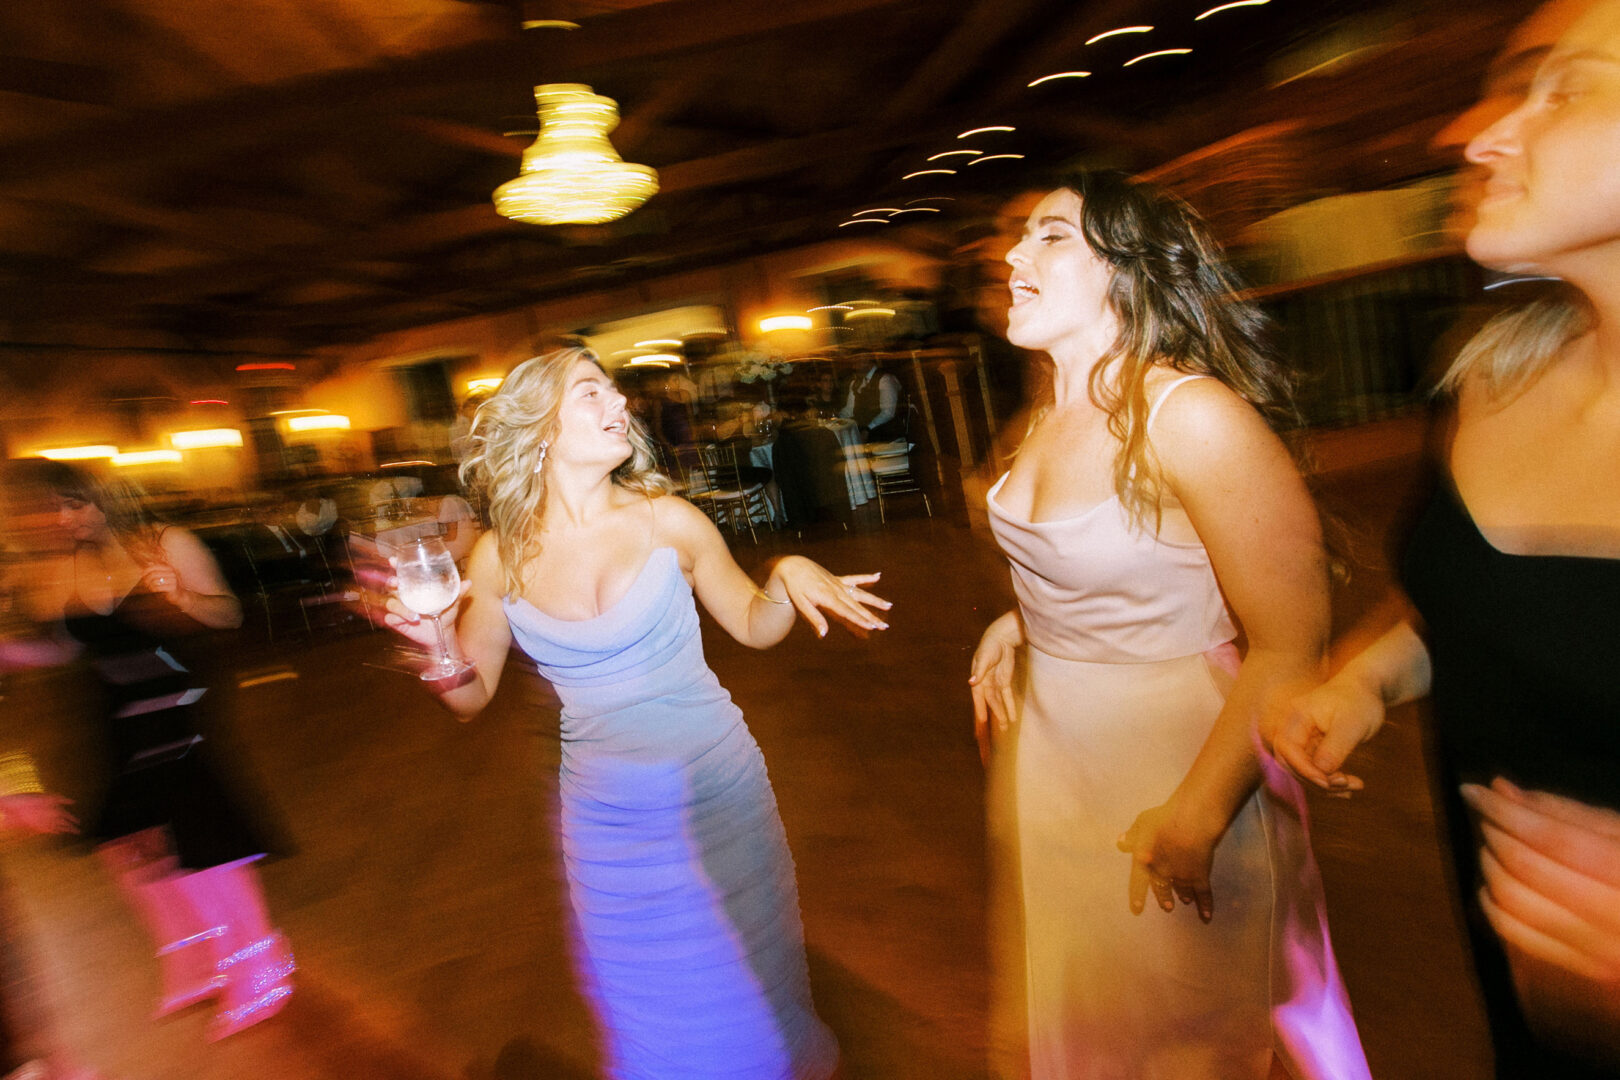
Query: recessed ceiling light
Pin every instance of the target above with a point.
(1151, 55)
(1228, 7)
(1061, 75)
(1118, 30)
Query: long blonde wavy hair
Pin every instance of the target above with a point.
(1176, 302)
(507, 443)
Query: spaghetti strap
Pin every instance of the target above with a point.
(1154, 411)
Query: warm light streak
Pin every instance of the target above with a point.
(876, 210)
(322, 422)
(955, 153)
(491, 382)
(79, 453)
(861, 313)
(864, 221)
(997, 157)
(413, 463)
(917, 210)
(147, 457)
(929, 172)
(1118, 30)
(210, 401)
(267, 367)
(1151, 55)
(773, 323)
(659, 343)
(982, 130)
(1228, 7)
(657, 359)
(572, 175)
(549, 24)
(931, 198)
(1061, 75)
(829, 307)
(205, 439)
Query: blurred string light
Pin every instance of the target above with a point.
(864, 221)
(1118, 30)
(861, 313)
(997, 157)
(772, 323)
(320, 422)
(209, 401)
(205, 439)
(274, 366)
(1151, 55)
(876, 210)
(916, 210)
(571, 175)
(1229, 7)
(146, 457)
(829, 307)
(660, 343)
(657, 359)
(1061, 75)
(982, 130)
(931, 198)
(490, 383)
(554, 24)
(928, 172)
(79, 453)
(955, 153)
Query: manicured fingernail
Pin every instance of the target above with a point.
(1472, 794)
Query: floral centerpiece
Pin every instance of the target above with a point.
(752, 367)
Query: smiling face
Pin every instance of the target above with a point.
(1059, 285)
(1552, 194)
(592, 423)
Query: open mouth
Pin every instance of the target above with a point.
(1022, 290)
(620, 426)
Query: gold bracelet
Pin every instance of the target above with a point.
(763, 595)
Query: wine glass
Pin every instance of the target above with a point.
(428, 584)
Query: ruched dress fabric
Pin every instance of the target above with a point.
(1127, 635)
(678, 867)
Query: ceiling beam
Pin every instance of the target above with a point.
(252, 116)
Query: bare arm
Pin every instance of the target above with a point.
(475, 630)
(191, 580)
(1252, 512)
(761, 616)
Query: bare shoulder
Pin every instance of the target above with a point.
(180, 545)
(1201, 415)
(484, 564)
(685, 528)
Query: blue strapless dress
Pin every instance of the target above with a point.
(677, 864)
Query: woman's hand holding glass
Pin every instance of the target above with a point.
(426, 582)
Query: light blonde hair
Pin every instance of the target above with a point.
(1513, 349)
(507, 445)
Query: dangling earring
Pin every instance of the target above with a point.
(538, 465)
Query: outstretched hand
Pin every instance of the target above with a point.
(813, 589)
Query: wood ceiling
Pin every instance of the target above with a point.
(301, 173)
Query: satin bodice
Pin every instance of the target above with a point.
(1096, 587)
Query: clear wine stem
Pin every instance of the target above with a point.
(444, 650)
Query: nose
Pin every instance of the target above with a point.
(1500, 138)
(1471, 122)
(1016, 255)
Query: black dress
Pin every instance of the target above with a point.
(160, 762)
(1525, 687)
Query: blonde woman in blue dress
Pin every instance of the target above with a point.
(1149, 512)
(677, 865)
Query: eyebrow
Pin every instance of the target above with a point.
(1050, 218)
(1557, 60)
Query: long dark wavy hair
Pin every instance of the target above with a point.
(1177, 304)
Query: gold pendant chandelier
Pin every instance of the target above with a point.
(572, 175)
